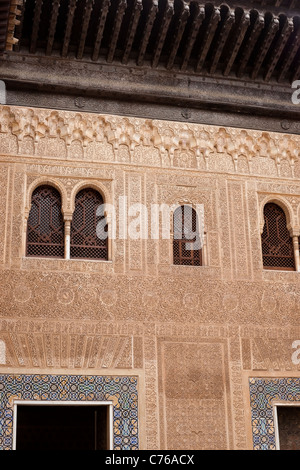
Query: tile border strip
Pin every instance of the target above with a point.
(121, 390)
(265, 393)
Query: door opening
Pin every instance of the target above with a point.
(62, 426)
(288, 422)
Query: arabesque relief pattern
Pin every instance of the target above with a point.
(93, 138)
(137, 312)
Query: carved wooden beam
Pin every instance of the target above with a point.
(116, 29)
(296, 74)
(288, 59)
(147, 31)
(251, 41)
(135, 16)
(11, 20)
(68, 30)
(197, 22)
(182, 21)
(208, 37)
(19, 27)
(100, 28)
(241, 26)
(221, 40)
(280, 44)
(163, 29)
(36, 25)
(52, 27)
(84, 28)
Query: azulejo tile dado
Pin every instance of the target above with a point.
(122, 390)
(264, 393)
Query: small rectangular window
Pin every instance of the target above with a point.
(186, 241)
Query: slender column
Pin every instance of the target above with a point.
(24, 238)
(204, 251)
(110, 234)
(296, 252)
(67, 238)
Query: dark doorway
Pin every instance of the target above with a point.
(62, 427)
(289, 427)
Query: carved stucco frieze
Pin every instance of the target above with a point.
(92, 137)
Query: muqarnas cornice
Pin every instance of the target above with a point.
(108, 138)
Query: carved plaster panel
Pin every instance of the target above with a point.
(72, 136)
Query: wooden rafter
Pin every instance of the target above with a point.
(147, 31)
(271, 30)
(52, 27)
(242, 25)
(68, 29)
(296, 74)
(251, 42)
(136, 13)
(183, 17)
(197, 22)
(208, 38)
(84, 29)
(116, 29)
(163, 29)
(280, 45)
(100, 28)
(222, 38)
(288, 59)
(36, 25)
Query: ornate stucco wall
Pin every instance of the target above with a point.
(194, 337)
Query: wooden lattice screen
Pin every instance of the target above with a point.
(85, 242)
(277, 244)
(186, 231)
(45, 227)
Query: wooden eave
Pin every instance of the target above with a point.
(236, 45)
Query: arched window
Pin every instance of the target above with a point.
(277, 244)
(85, 240)
(45, 227)
(186, 242)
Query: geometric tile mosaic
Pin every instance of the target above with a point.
(121, 390)
(263, 393)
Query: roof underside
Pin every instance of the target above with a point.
(234, 56)
(257, 40)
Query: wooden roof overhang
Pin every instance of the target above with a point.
(231, 56)
(4, 19)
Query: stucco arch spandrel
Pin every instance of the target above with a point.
(45, 180)
(97, 185)
(285, 206)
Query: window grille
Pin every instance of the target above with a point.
(277, 244)
(186, 233)
(45, 227)
(84, 240)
